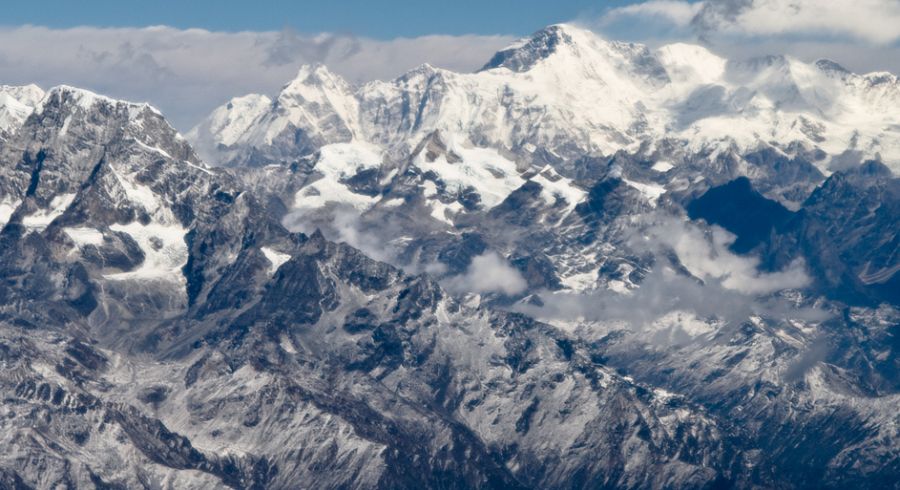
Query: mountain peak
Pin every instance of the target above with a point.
(29, 95)
(315, 84)
(313, 72)
(525, 53)
(573, 53)
(86, 99)
(16, 104)
(77, 115)
(424, 71)
(229, 122)
(830, 66)
(314, 75)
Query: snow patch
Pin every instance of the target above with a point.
(493, 176)
(619, 287)
(393, 203)
(275, 258)
(164, 247)
(580, 282)
(555, 186)
(286, 344)
(650, 191)
(41, 219)
(154, 149)
(429, 188)
(144, 197)
(7, 208)
(199, 167)
(83, 236)
(445, 212)
(336, 163)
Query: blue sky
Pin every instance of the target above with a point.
(382, 19)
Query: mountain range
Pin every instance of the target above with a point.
(589, 264)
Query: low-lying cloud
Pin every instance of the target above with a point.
(720, 286)
(706, 255)
(344, 224)
(385, 241)
(488, 273)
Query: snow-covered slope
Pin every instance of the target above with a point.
(565, 93)
(111, 184)
(314, 109)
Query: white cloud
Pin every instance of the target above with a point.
(863, 36)
(873, 21)
(342, 223)
(188, 72)
(876, 21)
(733, 288)
(706, 256)
(488, 273)
(679, 13)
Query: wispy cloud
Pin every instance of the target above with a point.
(677, 12)
(188, 72)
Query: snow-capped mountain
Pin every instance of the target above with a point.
(544, 123)
(565, 93)
(588, 265)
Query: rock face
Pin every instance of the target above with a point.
(568, 270)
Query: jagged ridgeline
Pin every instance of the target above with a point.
(589, 264)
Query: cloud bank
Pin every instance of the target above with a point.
(188, 72)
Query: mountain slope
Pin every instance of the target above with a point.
(548, 309)
(159, 328)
